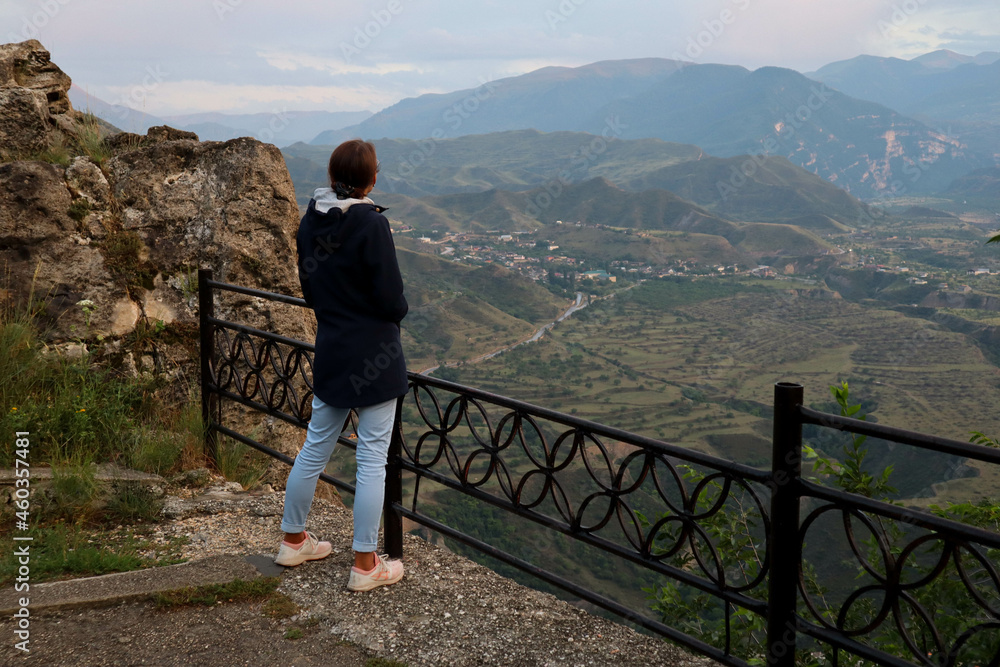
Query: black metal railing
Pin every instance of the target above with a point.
(907, 551)
(649, 504)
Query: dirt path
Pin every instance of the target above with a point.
(447, 611)
(577, 305)
(236, 633)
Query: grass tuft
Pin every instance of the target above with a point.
(73, 492)
(133, 502)
(280, 606)
(383, 662)
(123, 255)
(237, 590)
(79, 209)
(60, 549)
(239, 463)
(91, 139)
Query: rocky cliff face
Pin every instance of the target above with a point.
(34, 105)
(109, 241)
(126, 230)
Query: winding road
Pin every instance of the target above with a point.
(579, 304)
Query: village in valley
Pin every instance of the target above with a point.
(532, 255)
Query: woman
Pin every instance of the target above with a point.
(350, 277)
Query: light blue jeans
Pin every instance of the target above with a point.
(374, 433)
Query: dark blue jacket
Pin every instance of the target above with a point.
(350, 277)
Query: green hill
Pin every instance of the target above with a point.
(469, 212)
(595, 202)
(767, 189)
(459, 312)
(981, 187)
(781, 240)
(774, 191)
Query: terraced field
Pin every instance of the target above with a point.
(696, 366)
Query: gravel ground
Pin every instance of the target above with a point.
(446, 611)
(139, 634)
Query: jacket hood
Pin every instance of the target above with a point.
(326, 199)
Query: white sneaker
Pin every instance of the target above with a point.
(384, 573)
(310, 549)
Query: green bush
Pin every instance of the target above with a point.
(239, 463)
(133, 502)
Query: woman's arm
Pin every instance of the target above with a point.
(303, 274)
(379, 256)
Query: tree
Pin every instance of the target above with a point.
(945, 594)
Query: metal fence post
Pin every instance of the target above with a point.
(783, 541)
(206, 310)
(392, 521)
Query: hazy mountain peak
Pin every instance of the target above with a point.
(945, 59)
(942, 59)
(941, 85)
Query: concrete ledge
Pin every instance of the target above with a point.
(106, 473)
(110, 589)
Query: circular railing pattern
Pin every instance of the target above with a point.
(918, 590)
(540, 466)
(274, 374)
(572, 475)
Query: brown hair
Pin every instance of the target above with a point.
(353, 166)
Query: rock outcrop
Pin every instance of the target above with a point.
(35, 112)
(110, 241)
(125, 231)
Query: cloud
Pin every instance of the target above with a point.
(334, 66)
(371, 53)
(190, 96)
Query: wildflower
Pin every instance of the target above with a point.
(13, 409)
(82, 410)
(88, 307)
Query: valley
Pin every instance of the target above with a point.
(646, 243)
(704, 280)
(686, 343)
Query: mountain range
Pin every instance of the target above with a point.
(942, 85)
(282, 128)
(873, 127)
(600, 202)
(862, 146)
(530, 168)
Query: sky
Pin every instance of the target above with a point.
(168, 57)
